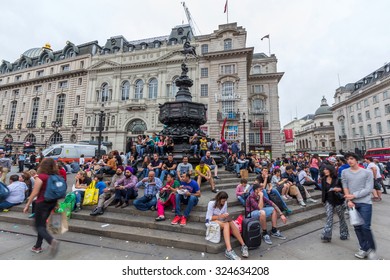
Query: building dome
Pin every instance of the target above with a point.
(324, 109)
(34, 52)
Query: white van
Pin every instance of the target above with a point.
(72, 152)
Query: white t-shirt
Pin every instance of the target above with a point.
(371, 165)
(215, 211)
(81, 161)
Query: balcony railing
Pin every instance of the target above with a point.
(9, 126)
(232, 116)
(258, 124)
(261, 111)
(227, 97)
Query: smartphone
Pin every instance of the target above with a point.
(227, 219)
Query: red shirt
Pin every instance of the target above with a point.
(40, 197)
(62, 172)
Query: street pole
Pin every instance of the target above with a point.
(244, 119)
(101, 114)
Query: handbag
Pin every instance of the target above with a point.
(355, 218)
(57, 222)
(213, 232)
(91, 195)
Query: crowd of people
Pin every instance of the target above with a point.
(167, 183)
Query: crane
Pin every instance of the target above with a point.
(189, 18)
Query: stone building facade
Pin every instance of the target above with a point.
(361, 112)
(42, 95)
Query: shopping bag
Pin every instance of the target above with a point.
(355, 218)
(71, 198)
(238, 222)
(66, 207)
(244, 173)
(213, 232)
(57, 222)
(91, 195)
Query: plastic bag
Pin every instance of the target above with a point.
(91, 195)
(57, 222)
(355, 218)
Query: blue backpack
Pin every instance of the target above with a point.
(55, 188)
(4, 192)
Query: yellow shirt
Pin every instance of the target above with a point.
(203, 170)
(203, 144)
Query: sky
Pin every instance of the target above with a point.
(319, 45)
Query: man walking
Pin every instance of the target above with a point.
(358, 184)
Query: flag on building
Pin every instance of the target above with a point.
(226, 7)
(288, 136)
(223, 130)
(261, 133)
(265, 37)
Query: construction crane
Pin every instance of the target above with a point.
(189, 18)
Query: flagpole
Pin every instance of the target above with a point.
(227, 11)
(269, 46)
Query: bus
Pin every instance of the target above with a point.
(381, 154)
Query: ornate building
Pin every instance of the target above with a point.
(131, 79)
(42, 95)
(317, 134)
(361, 112)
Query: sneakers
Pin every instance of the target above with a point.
(176, 220)
(32, 215)
(326, 239)
(216, 177)
(231, 255)
(119, 204)
(361, 254)
(277, 234)
(372, 255)
(311, 200)
(160, 219)
(267, 239)
(153, 208)
(183, 221)
(288, 211)
(78, 207)
(36, 249)
(124, 205)
(302, 204)
(244, 251)
(214, 190)
(54, 247)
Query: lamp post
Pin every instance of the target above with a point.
(382, 142)
(56, 126)
(244, 122)
(101, 116)
(364, 144)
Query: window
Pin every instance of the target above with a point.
(358, 106)
(267, 138)
(231, 133)
(386, 95)
(65, 68)
(88, 121)
(18, 78)
(51, 70)
(80, 81)
(104, 92)
(256, 69)
(204, 90)
(387, 109)
(82, 64)
(204, 72)
(49, 86)
(321, 124)
(258, 105)
(23, 106)
(366, 102)
(153, 87)
(139, 89)
(204, 48)
(228, 90)
(228, 69)
(75, 118)
(369, 129)
(60, 108)
(375, 99)
(113, 121)
(228, 110)
(377, 112)
(258, 88)
(47, 104)
(350, 108)
(125, 90)
(354, 132)
(360, 119)
(352, 119)
(40, 73)
(368, 115)
(13, 113)
(379, 127)
(331, 123)
(78, 100)
(38, 89)
(361, 131)
(227, 44)
(63, 84)
(388, 125)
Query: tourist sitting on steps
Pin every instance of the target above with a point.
(184, 167)
(155, 165)
(167, 196)
(17, 191)
(126, 188)
(217, 212)
(208, 159)
(188, 193)
(82, 182)
(108, 194)
(152, 185)
(203, 174)
(169, 167)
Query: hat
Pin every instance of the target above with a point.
(130, 169)
(120, 167)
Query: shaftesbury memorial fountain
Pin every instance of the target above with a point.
(182, 117)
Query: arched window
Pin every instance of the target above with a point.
(256, 69)
(88, 121)
(139, 89)
(125, 90)
(153, 86)
(227, 44)
(228, 90)
(30, 138)
(73, 138)
(137, 127)
(104, 92)
(55, 138)
(258, 105)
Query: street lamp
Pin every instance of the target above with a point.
(244, 122)
(101, 116)
(56, 126)
(382, 142)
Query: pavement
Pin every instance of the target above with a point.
(302, 243)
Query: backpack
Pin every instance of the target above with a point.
(55, 188)
(4, 192)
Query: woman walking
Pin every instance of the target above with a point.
(43, 208)
(333, 198)
(217, 212)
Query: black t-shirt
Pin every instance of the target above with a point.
(169, 164)
(261, 179)
(292, 178)
(154, 163)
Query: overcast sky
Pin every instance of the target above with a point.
(315, 41)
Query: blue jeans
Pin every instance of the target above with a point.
(276, 193)
(79, 196)
(160, 150)
(166, 172)
(239, 166)
(314, 173)
(7, 205)
(194, 148)
(190, 201)
(363, 232)
(145, 203)
(241, 200)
